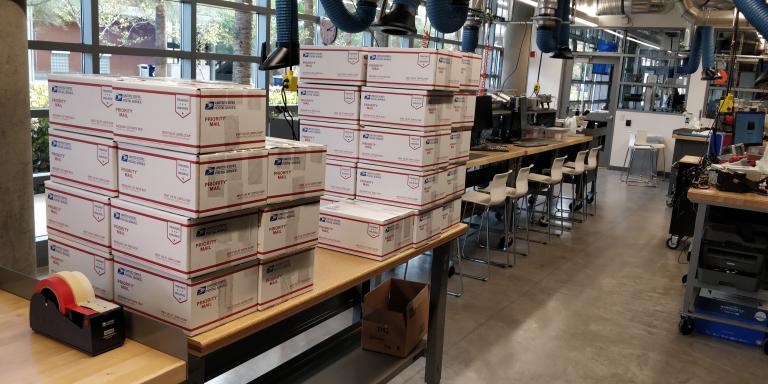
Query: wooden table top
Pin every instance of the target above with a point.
(689, 159)
(713, 196)
(690, 138)
(478, 158)
(335, 272)
(27, 357)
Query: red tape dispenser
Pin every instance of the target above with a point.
(65, 308)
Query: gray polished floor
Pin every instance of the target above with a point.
(599, 305)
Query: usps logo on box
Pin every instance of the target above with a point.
(373, 231)
(353, 57)
(209, 106)
(180, 292)
(417, 102)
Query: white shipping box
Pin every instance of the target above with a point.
(341, 140)
(404, 149)
(409, 68)
(83, 161)
(332, 103)
(455, 178)
(472, 64)
(65, 255)
(195, 305)
(180, 246)
(193, 185)
(451, 212)
(459, 146)
(464, 110)
(456, 77)
(189, 116)
(403, 188)
(407, 109)
(364, 229)
(328, 199)
(81, 103)
(286, 277)
(333, 65)
(340, 178)
(285, 230)
(427, 226)
(296, 170)
(78, 215)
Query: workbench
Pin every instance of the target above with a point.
(28, 357)
(340, 282)
(741, 205)
(499, 162)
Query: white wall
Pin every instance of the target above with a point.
(551, 71)
(661, 124)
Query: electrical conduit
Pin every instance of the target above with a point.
(347, 22)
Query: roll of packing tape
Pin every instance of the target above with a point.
(60, 289)
(80, 286)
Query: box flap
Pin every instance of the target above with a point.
(367, 212)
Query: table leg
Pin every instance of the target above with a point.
(438, 289)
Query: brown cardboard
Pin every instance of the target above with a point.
(395, 317)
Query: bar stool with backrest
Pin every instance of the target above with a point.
(591, 167)
(514, 194)
(576, 176)
(495, 198)
(555, 178)
(638, 143)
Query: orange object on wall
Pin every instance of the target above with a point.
(723, 78)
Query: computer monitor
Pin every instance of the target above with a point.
(748, 128)
(483, 119)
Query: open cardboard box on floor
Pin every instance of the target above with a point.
(395, 317)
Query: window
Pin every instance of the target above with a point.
(140, 23)
(59, 62)
(54, 20)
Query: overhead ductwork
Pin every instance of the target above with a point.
(286, 53)
(400, 20)
(470, 38)
(702, 50)
(715, 13)
(552, 21)
(447, 16)
(346, 21)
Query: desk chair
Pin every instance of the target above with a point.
(495, 198)
(555, 178)
(591, 167)
(577, 175)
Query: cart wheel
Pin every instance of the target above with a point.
(684, 279)
(686, 325)
(543, 221)
(673, 242)
(765, 346)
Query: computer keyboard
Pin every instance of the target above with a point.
(490, 148)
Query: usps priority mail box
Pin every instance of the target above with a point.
(181, 246)
(83, 161)
(331, 103)
(404, 149)
(78, 215)
(81, 103)
(333, 65)
(410, 68)
(96, 265)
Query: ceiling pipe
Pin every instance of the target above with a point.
(691, 12)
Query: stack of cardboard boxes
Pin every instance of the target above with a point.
(173, 202)
(396, 145)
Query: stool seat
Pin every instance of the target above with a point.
(477, 197)
(571, 171)
(543, 179)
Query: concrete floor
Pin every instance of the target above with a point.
(599, 305)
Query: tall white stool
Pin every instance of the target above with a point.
(514, 194)
(495, 198)
(592, 161)
(577, 176)
(633, 148)
(555, 178)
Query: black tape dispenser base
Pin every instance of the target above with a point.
(66, 310)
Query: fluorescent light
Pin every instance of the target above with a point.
(529, 2)
(585, 22)
(643, 42)
(612, 32)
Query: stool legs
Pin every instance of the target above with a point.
(459, 255)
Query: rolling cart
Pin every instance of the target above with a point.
(729, 267)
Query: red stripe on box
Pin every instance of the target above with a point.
(76, 196)
(329, 117)
(81, 127)
(81, 183)
(163, 266)
(397, 173)
(406, 134)
(413, 85)
(57, 136)
(79, 249)
(407, 125)
(174, 143)
(368, 253)
(193, 210)
(76, 236)
(400, 202)
(189, 94)
(287, 247)
(181, 224)
(77, 83)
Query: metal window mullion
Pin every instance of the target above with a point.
(189, 39)
(263, 37)
(89, 35)
(234, 5)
